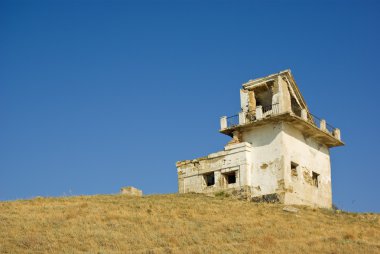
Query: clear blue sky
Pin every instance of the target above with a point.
(96, 95)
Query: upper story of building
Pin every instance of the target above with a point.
(277, 98)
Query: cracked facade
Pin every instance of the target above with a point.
(279, 151)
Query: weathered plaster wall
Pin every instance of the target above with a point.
(244, 100)
(310, 156)
(263, 164)
(235, 157)
(283, 95)
(267, 158)
(262, 152)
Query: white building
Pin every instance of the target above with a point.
(279, 151)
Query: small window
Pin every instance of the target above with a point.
(230, 177)
(293, 169)
(315, 178)
(209, 179)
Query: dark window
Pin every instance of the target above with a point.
(315, 178)
(230, 177)
(209, 179)
(293, 168)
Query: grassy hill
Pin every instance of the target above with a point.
(179, 224)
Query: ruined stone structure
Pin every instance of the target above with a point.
(131, 191)
(278, 151)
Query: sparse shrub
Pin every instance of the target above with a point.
(222, 194)
(332, 239)
(348, 236)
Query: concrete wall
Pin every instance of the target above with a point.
(285, 103)
(234, 158)
(310, 156)
(267, 158)
(262, 162)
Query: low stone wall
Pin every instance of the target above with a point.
(131, 191)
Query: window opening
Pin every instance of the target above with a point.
(209, 179)
(295, 107)
(315, 178)
(230, 177)
(293, 169)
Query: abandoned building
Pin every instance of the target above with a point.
(279, 150)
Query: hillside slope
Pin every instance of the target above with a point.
(179, 224)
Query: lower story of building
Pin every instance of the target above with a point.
(235, 171)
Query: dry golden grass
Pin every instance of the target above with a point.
(179, 224)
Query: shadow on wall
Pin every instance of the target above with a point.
(310, 142)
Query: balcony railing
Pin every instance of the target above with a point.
(232, 121)
(261, 111)
(320, 123)
(272, 110)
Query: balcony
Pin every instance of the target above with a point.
(228, 124)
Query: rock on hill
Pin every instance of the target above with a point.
(179, 224)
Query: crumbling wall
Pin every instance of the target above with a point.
(282, 96)
(244, 100)
(248, 103)
(310, 156)
(247, 100)
(234, 158)
(251, 101)
(236, 138)
(131, 191)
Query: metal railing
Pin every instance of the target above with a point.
(315, 120)
(274, 109)
(232, 121)
(268, 110)
(330, 128)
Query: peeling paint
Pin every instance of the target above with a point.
(307, 177)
